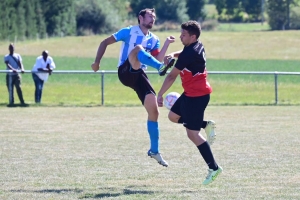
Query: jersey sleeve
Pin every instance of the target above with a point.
(122, 34)
(182, 61)
(155, 50)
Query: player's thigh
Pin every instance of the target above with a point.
(193, 109)
(175, 112)
(127, 75)
(134, 62)
(143, 87)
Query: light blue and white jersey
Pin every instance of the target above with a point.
(132, 36)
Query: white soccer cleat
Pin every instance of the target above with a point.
(212, 175)
(158, 158)
(210, 132)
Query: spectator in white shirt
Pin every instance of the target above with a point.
(45, 65)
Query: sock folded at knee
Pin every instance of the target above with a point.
(154, 136)
(147, 59)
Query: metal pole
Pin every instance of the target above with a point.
(102, 88)
(276, 87)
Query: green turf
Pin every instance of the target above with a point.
(243, 27)
(66, 153)
(85, 89)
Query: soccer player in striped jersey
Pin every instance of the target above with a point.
(190, 106)
(141, 48)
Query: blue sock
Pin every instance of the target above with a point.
(154, 136)
(147, 59)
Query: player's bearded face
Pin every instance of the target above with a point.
(148, 20)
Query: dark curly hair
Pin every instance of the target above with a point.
(192, 27)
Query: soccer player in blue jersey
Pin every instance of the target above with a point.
(140, 48)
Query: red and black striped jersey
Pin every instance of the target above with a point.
(192, 64)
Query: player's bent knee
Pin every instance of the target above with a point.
(135, 51)
(173, 117)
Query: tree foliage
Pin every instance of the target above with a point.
(277, 11)
(239, 10)
(21, 19)
(97, 16)
(59, 16)
(166, 10)
(195, 9)
(280, 16)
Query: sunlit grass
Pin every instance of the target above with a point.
(100, 153)
(281, 45)
(243, 27)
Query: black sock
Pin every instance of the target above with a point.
(204, 124)
(207, 155)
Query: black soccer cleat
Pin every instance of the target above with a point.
(163, 70)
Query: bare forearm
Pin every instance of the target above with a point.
(168, 82)
(162, 52)
(100, 52)
(175, 54)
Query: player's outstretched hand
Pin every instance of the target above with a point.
(95, 66)
(167, 59)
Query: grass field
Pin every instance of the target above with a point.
(71, 148)
(278, 45)
(226, 51)
(243, 27)
(100, 153)
(85, 89)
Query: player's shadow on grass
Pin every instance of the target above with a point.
(15, 105)
(88, 195)
(108, 194)
(50, 191)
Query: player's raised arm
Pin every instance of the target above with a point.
(100, 52)
(164, 49)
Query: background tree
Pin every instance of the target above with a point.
(277, 11)
(121, 7)
(59, 17)
(8, 19)
(97, 17)
(238, 10)
(220, 6)
(31, 24)
(40, 20)
(295, 17)
(253, 9)
(21, 23)
(90, 18)
(195, 9)
(167, 10)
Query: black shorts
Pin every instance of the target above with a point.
(191, 109)
(135, 79)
